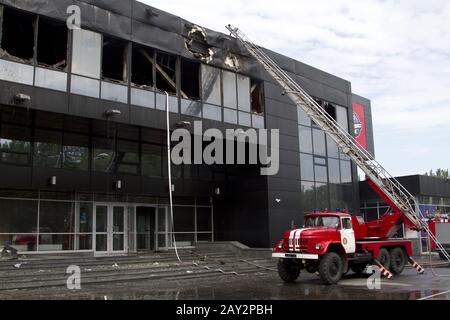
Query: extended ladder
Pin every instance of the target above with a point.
(386, 183)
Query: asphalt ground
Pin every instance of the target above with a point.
(206, 276)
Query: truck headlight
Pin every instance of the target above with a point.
(318, 247)
(280, 245)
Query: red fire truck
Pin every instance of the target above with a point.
(332, 243)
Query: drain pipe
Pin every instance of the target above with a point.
(169, 171)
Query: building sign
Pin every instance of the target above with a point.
(359, 119)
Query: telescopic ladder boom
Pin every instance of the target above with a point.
(398, 195)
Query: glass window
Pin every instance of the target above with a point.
(50, 79)
(308, 197)
(212, 112)
(322, 196)
(151, 160)
(127, 157)
(18, 216)
(211, 85)
(16, 72)
(319, 143)
(103, 155)
(244, 99)
(190, 79)
(334, 171)
(321, 174)
(204, 219)
(15, 145)
(346, 172)
(230, 116)
(191, 108)
(114, 92)
(85, 218)
(258, 121)
(47, 149)
(305, 136)
(184, 219)
(142, 98)
(342, 117)
(166, 72)
(85, 86)
(333, 151)
(56, 217)
(161, 103)
(320, 161)
(245, 119)
(335, 197)
(76, 152)
(307, 167)
(303, 118)
(86, 53)
(229, 90)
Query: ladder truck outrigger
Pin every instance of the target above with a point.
(334, 243)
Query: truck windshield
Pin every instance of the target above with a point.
(322, 222)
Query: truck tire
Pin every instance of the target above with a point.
(358, 268)
(288, 270)
(331, 268)
(384, 258)
(398, 261)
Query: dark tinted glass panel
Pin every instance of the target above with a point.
(346, 172)
(56, 217)
(322, 196)
(76, 152)
(103, 155)
(306, 167)
(18, 216)
(184, 219)
(305, 139)
(319, 142)
(204, 219)
(151, 159)
(321, 174)
(15, 145)
(308, 197)
(47, 149)
(334, 171)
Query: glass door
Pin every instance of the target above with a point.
(110, 228)
(163, 229)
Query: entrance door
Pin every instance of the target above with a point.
(146, 228)
(110, 226)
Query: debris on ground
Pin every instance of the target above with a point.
(9, 252)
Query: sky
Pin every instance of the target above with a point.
(395, 53)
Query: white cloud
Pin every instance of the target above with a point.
(395, 52)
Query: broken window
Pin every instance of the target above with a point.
(52, 44)
(330, 109)
(17, 40)
(142, 66)
(166, 72)
(190, 79)
(257, 96)
(115, 58)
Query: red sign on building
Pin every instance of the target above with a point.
(359, 118)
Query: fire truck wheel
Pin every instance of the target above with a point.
(358, 268)
(288, 270)
(384, 258)
(398, 261)
(331, 268)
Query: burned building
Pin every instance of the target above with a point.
(83, 161)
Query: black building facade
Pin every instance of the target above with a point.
(83, 133)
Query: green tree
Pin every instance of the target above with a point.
(440, 173)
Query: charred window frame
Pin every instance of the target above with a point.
(190, 79)
(257, 96)
(52, 44)
(115, 60)
(143, 67)
(167, 66)
(13, 47)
